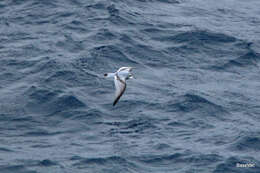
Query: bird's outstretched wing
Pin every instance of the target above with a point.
(120, 86)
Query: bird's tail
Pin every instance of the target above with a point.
(109, 75)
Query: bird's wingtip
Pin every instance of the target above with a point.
(114, 103)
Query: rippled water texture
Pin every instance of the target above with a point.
(193, 107)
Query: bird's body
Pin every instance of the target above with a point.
(120, 77)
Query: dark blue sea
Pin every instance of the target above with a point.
(193, 107)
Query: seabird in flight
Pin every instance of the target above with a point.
(120, 77)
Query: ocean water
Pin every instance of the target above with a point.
(194, 106)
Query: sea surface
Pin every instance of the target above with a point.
(193, 107)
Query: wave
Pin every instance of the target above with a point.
(139, 125)
(113, 53)
(99, 164)
(15, 168)
(47, 162)
(46, 101)
(70, 44)
(195, 103)
(198, 37)
(4, 149)
(102, 35)
(116, 18)
(247, 143)
(251, 58)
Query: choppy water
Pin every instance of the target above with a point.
(194, 106)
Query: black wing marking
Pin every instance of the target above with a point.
(120, 88)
